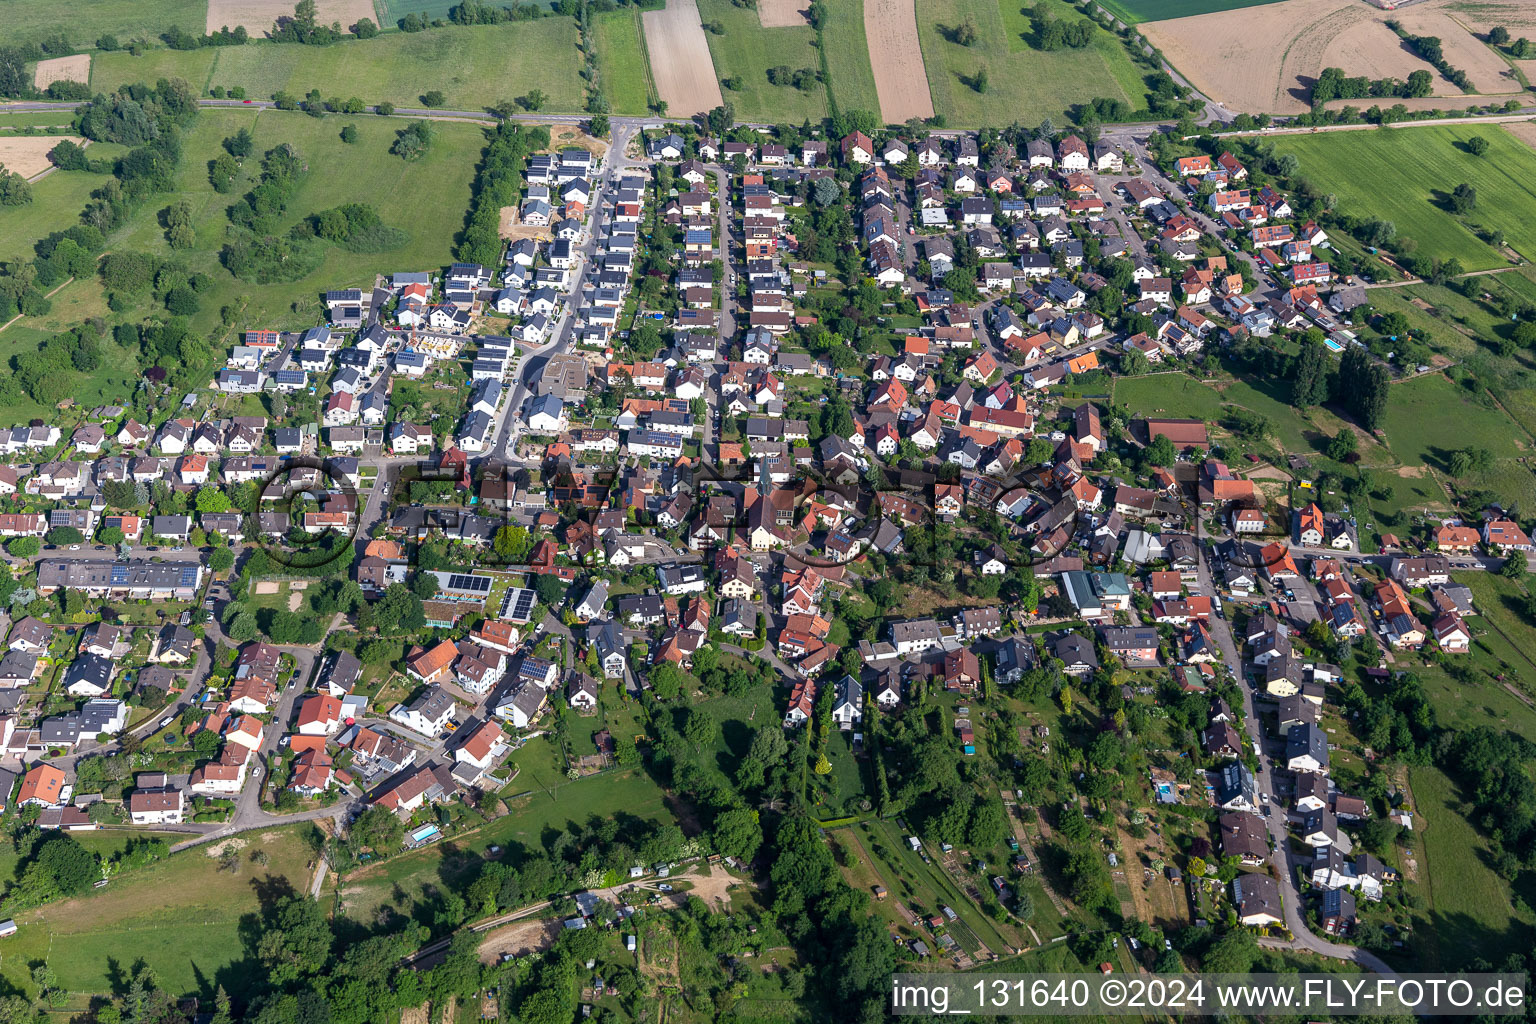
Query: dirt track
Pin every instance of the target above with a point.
(685, 73)
(901, 79)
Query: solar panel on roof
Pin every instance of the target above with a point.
(119, 574)
(520, 602)
(461, 581)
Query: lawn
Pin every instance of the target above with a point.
(1025, 85)
(1468, 915)
(424, 198)
(534, 821)
(474, 67)
(1133, 11)
(1174, 395)
(85, 21)
(746, 51)
(853, 81)
(1403, 176)
(180, 915)
(619, 46)
(1428, 417)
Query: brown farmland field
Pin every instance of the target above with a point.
(62, 69)
(901, 80)
(258, 16)
(782, 13)
(1264, 59)
(685, 73)
(1490, 73)
(27, 155)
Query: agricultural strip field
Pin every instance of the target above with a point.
(1264, 59)
(745, 52)
(1133, 11)
(1024, 84)
(180, 915)
(473, 67)
(84, 21)
(1402, 176)
(674, 37)
(620, 51)
(850, 59)
(901, 80)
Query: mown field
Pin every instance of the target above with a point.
(620, 51)
(746, 51)
(1428, 417)
(1133, 11)
(84, 21)
(473, 67)
(180, 915)
(1405, 175)
(1468, 914)
(853, 81)
(1024, 84)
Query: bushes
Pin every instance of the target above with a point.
(265, 259)
(356, 227)
(412, 141)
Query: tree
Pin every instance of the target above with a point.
(1515, 566)
(1498, 35)
(1343, 445)
(349, 134)
(1161, 451)
(1233, 953)
(1463, 199)
(365, 28)
(221, 560)
(737, 833)
(1309, 382)
(24, 547)
(598, 126)
(535, 99)
(1477, 145)
(433, 98)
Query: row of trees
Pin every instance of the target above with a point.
(498, 185)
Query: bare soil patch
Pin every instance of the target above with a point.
(63, 69)
(27, 155)
(680, 60)
(901, 80)
(518, 938)
(1489, 72)
(294, 600)
(217, 849)
(565, 136)
(512, 231)
(1525, 131)
(782, 13)
(1264, 59)
(1519, 16)
(258, 16)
